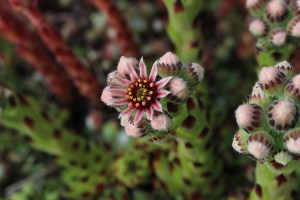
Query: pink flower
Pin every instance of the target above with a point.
(136, 94)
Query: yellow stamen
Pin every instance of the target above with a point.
(139, 80)
(139, 99)
(129, 89)
(145, 81)
(134, 99)
(140, 85)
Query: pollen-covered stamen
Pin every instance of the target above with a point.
(294, 27)
(259, 146)
(293, 87)
(270, 77)
(248, 117)
(141, 93)
(276, 10)
(283, 114)
(292, 141)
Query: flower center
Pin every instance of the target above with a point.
(141, 93)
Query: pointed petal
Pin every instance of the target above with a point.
(122, 81)
(143, 69)
(117, 92)
(149, 112)
(163, 82)
(132, 72)
(138, 116)
(153, 72)
(157, 106)
(120, 102)
(162, 93)
(127, 111)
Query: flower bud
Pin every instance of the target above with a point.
(239, 141)
(195, 73)
(292, 141)
(259, 145)
(254, 4)
(277, 37)
(258, 27)
(161, 122)
(294, 27)
(283, 157)
(248, 117)
(276, 10)
(286, 68)
(135, 130)
(283, 114)
(169, 65)
(257, 95)
(122, 67)
(292, 87)
(296, 6)
(178, 88)
(271, 79)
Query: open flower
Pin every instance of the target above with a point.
(135, 94)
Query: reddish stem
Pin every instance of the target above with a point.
(32, 50)
(114, 18)
(83, 79)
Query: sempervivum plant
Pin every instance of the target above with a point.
(275, 24)
(270, 130)
(169, 105)
(139, 97)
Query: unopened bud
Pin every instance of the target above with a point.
(271, 79)
(276, 10)
(286, 68)
(259, 145)
(292, 141)
(258, 27)
(277, 37)
(294, 27)
(169, 65)
(292, 87)
(283, 157)
(161, 122)
(178, 88)
(283, 114)
(248, 117)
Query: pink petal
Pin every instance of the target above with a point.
(153, 72)
(157, 106)
(127, 111)
(149, 113)
(132, 72)
(122, 81)
(117, 92)
(163, 82)
(138, 116)
(162, 93)
(120, 102)
(143, 69)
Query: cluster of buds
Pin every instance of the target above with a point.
(140, 97)
(275, 23)
(269, 121)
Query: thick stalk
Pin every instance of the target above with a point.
(270, 184)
